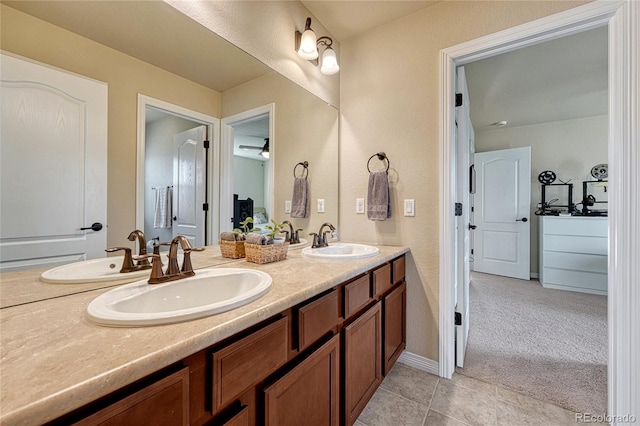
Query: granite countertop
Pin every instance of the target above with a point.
(54, 361)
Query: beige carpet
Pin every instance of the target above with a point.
(549, 344)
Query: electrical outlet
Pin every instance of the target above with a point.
(360, 205)
(287, 206)
(320, 205)
(409, 208)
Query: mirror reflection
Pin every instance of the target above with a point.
(304, 127)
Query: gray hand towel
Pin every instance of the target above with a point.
(228, 236)
(300, 202)
(255, 238)
(378, 201)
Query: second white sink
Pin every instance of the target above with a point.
(91, 271)
(341, 251)
(210, 291)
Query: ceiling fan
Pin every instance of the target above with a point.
(264, 150)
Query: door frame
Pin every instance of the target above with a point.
(622, 18)
(213, 160)
(226, 170)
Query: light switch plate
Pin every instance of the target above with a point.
(360, 205)
(287, 206)
(320, 205)
(409, 207)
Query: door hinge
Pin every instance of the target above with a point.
(206, 144)
(458, 319)
(458, 99)
(205, 207)
(458, 209)
(471, 251)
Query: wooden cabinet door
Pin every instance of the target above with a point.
(165, 402)
(363, 361)
(309, 394)
(395, 325)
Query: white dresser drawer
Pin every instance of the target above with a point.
(575, 280)
(575, 244)
(576, 262)
(582, 226)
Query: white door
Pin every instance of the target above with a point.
(188, 185)
(501, 240)
(464, 150)
(53, 166)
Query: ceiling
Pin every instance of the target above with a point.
(345, 19)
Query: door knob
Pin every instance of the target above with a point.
(524, 219)
(175, 218)
(95, 227)
(472, 227)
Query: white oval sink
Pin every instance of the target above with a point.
(341, 251)
(91, 271)
(299, 245)
(210, 291)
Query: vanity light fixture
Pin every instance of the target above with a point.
(307, 47)
(265, 148)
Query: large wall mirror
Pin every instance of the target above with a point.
(150, 49)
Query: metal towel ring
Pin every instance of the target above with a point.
(381, 156)
(304, 164)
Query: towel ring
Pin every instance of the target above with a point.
(305, 166)
(381, 156)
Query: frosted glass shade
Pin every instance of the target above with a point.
(308, 49)
(329, 62)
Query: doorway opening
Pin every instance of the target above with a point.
(619, 18)
(177, 189)
(248, 157)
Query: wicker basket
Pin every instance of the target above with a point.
(257, 253)
(232, 249)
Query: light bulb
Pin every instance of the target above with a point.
(329, 62)
(308, 49)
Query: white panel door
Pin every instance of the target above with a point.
(188, 185)
(501, 240)
(464, 153)
(53, 165)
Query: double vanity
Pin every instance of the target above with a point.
(310, 349)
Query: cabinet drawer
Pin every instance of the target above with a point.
(317, 318)
(248, 361)
(382, 279)
(398, 270)
(240, 419)
(165, 402)
(357, 294)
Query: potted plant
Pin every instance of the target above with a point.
(274, 229)
(245, 227)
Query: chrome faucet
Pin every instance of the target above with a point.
(292, 236)
(320, 239)
(174, 272)
(127, 263)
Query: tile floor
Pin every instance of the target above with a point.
(409, 396)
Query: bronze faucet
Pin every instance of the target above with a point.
(127, 263)
(142, 246)
(174, 272)
(292, 236)
(320, 239)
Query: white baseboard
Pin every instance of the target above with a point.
(419, 362)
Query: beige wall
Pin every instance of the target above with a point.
(126, 77)
(570, 148)
(389, 102)
(306, 129)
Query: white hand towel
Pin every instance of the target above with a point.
(163, 205)
(378, 201)
(300, 201)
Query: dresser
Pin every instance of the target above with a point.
(573, 253)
